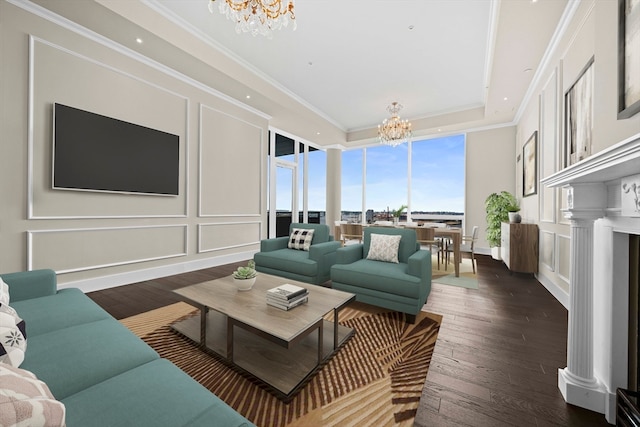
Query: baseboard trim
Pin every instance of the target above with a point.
(115, 280)
(555, 290)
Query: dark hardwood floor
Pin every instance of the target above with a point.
(496, 359)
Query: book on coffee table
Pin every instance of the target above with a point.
(286, 292)
(287, 306)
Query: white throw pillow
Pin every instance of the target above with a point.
(384, 247)
(300, 239)
(13, 336)
(27, 401)
(4, 292)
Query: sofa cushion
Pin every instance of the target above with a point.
(69, 307)
(27, 401)
(300, 239)
(408, 243)
(139, 398)
(290, 260)
(4, 292)
(384, 248)
(379, 276)
(321, 232)
(74, 358)
(13, 336)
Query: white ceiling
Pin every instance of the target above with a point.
(331, 80)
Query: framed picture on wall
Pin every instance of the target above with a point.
(628, 58)
(578, 117)
(530, 166)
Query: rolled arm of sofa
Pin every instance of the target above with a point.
(268, 245)
(25, 285)
(349, 254)
(419, 264)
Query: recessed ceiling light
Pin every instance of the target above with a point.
(139, 40)
(439, 130)
(411, 27)
(506, 99)
(317, 133)
(248, 96)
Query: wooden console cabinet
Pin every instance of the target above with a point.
(519, 244)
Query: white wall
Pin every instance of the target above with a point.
(489, 169)
(101, 239)
(591, 32)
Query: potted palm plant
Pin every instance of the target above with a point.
(497, 207)
(397, 213)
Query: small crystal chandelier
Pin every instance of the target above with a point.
(394, 131)
(257, 16)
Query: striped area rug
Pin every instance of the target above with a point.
(375, 379)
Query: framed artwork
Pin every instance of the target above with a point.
(628, 58)
(530, 166)
(578, 117)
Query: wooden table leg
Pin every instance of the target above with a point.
(456, 252)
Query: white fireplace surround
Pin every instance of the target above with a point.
(599, 282)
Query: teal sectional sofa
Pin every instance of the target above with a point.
(312, 266)
(102, 372)
(402, 286)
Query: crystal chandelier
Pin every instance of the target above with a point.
(394, 131)
(257, 16)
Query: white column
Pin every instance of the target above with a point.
(577, 382)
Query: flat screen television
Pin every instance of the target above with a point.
(92, 152)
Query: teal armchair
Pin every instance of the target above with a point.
(312, 266)
(402, 287)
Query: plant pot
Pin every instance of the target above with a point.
(514, 217)
(244, 284)
(496, 253)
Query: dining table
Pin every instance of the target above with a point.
(455, 234)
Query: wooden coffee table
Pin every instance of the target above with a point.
(277, 347)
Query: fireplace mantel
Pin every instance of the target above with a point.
(597, 341)
(617, 161)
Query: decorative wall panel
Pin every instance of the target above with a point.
(81, 249)
(548, 249)
(231, 148)
(549, 146)
(564, 257)
(220, 236)
(105, 90)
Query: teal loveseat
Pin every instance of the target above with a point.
(312, 266)
(402, 286)
(100, 371)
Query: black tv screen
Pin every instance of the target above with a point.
(97, 153)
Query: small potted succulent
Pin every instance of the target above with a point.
(245, 277)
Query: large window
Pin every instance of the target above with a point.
(297, 183)
(433, 186)
(351, 190)
(386, 185)
(437, 175)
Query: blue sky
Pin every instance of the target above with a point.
(437, 177)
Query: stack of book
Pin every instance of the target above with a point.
(287, 296)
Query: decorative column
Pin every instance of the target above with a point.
(577, 383)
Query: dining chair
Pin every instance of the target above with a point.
(351, 232)
(426, 236)
(467, 245)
